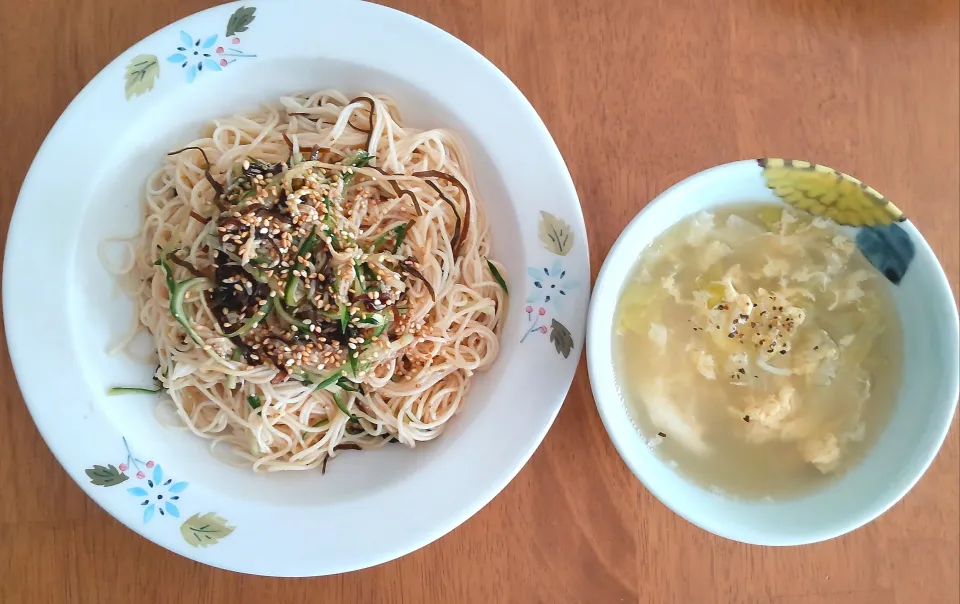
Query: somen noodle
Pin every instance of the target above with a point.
(315, 278)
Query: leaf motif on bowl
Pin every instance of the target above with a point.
(141, 73)
(555, 234)
(203, 530)
(240, 20)
(561, 338)
(888, 248)
(105, 476)
(823, 191)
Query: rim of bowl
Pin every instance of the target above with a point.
(608, 280)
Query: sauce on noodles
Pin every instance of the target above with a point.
(316, 278)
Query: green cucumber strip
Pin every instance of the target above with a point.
(132, 390)
(326, 382)
(253, 321)
(352, 359)
(343, 407)
(383, 326)
(289, 318)
(289, 292)
(497, 276)
(176, 304)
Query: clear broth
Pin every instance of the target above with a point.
(757, 349)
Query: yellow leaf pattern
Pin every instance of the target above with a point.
(141, 73)
(555, 234)
(825, 192)
(201, 531)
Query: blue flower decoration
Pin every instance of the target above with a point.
(160, 496)
(193, 55)
(550, 284)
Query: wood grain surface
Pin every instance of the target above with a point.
(638, 94)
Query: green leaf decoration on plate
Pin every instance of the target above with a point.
(555, 234)
(105, 476)
(203, 530)
(825, 192)
(561, 338)
(240, 20)
(142, 72)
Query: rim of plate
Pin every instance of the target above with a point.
(53, 376)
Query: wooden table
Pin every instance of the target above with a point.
(638, 94)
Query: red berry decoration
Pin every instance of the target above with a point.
(235, 40)
(123, 467)
(141, 475)
(543, 329)
(529, 309)
(219, 50)
(223, 62)
(542, 311)
(150, 464)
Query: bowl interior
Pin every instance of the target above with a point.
(102, 313)
(903, 451)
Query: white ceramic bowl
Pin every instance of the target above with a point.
(370, 506)
(919, 422)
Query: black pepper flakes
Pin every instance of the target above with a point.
(746, 418)
(661, 435)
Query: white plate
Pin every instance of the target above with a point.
(62, 308)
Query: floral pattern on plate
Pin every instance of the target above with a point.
(550, 286)
(160, 494)
(193, 55)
